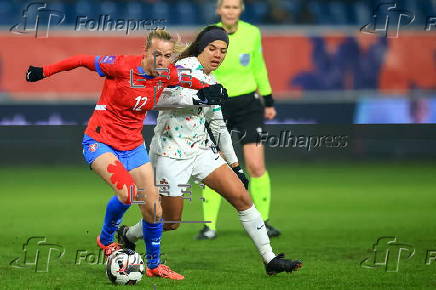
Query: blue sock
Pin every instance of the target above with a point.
(152, 234)
(115, 210)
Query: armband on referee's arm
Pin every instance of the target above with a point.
(268, 100)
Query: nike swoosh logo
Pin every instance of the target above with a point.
(28, 74)
(260, 227)
(192, 146)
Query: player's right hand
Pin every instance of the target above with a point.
(241, 175)
(212, 95)
(34, 74)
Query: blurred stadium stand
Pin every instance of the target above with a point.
(322, 68)
(199, 12)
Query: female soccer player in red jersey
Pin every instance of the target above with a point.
(113, 144)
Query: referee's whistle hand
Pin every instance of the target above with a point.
(270, 113)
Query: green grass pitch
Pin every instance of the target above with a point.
(330, 215)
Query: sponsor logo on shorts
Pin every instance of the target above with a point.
(93, 147)
(164, 187)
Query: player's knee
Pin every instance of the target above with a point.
(154, 210)
(157, 214)
(150, 212)
(256, 169)
(242, 201)
(246, 201)
(171, 226)
(124, 197)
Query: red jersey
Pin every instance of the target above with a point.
(128, 93)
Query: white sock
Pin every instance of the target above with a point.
(255, 227)
(135, 233)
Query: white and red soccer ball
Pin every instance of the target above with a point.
(125, 267)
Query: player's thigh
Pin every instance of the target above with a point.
(172, 178)
(172, 209)
(172, 175)
(104, 161)
(102, 166)
(144, 180)
(225, 182)
(147, 196)
(211, 169)
(254, 158)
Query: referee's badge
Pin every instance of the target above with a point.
(244, 59)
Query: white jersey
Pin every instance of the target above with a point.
(181, 133)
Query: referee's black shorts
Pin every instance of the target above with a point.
(244, 116)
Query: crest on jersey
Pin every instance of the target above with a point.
(93, 147)
(108, 59)
(244, 59)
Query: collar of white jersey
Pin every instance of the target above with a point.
(191, 62)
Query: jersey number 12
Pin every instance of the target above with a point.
(138, 106)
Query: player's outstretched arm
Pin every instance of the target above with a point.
(180, 97)
(34, 74)
(206, 94)
(178, 78)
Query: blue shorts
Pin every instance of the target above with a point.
(130, 159)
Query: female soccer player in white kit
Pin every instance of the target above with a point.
(181, 148)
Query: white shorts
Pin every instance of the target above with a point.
(172, 175)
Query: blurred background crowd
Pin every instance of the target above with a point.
(323, 68)
(198, 12)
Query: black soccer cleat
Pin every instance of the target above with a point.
(206, 234)
(123, 240)
(279, 264)
(271, 231)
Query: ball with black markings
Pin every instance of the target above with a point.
(125, 267)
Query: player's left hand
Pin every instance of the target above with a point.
(213, 95)
(241, 175)
(34, 74)
(270, 113)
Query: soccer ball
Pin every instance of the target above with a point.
(125, 267)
